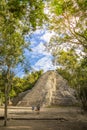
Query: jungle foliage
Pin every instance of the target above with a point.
(69, 44)
(17, 19)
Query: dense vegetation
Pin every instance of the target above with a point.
(69, 43)
(17, 19)
(20, 84)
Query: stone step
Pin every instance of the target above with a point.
(62, 101)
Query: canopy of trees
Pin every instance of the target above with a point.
(17, 18)
(20, 84)
(69, 44)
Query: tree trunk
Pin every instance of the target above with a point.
(5, 109)
(7, 89)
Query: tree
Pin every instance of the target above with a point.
(68, 21)
(17, 18)
(77, 78)
(25, 83)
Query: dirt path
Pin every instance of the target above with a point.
(61, 118)
(43, 125)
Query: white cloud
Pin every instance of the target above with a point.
(40, 58)
(44, 63)
(39, 48)
(47, 36)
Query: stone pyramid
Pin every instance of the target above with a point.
(50, 89)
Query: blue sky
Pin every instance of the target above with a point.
(39, 58)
